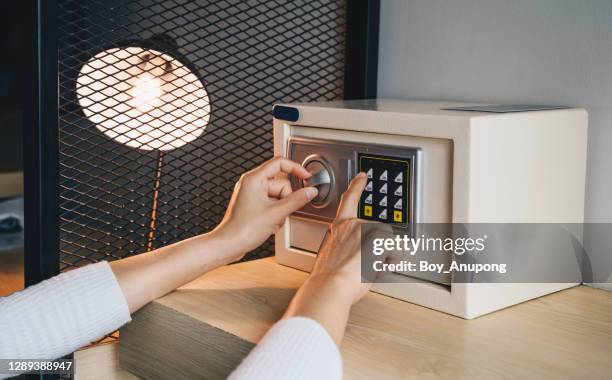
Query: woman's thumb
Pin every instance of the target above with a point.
(295, 201)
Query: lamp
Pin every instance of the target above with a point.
(144, 95)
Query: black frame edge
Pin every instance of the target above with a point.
(41, 146)
(361, 59)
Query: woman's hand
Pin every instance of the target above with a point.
(335, 283)
(261, 202)
(256, 210)
(339, 258)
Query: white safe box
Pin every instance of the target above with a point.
(443, 166)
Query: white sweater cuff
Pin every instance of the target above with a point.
(60, 315)
(294, 348)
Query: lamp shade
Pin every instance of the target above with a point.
(143, 98)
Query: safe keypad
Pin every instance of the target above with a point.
(385, 198)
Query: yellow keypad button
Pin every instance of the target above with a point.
(367, 211)
(397, 216)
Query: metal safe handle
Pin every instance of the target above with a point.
(318, 178)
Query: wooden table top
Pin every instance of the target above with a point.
(563, 335)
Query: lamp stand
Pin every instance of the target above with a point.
(156, 186)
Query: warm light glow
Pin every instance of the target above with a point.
(143, 105)
(146, 92)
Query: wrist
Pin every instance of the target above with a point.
(333, 286)
(227, 244)
(322, 301)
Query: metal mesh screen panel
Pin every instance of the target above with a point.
(248, 54)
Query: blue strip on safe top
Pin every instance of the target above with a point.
(286, 113)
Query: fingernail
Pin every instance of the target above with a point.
(361, 174)
(311, 193)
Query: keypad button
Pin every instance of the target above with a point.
(383, 176)
(383, 189)
(397, 216)
(368, 199)
(367, 211)
(398, 204)
(399, 178)
(383, 214)
(399, 191)
(383, 202)
(369, 186)
(370, 173)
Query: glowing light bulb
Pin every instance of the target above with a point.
(143, 106)
(146, 92)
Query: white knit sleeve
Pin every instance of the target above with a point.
(294, 348)
(59, 315)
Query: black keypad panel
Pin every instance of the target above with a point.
(385, 198)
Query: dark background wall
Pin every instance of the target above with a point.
(11, 85)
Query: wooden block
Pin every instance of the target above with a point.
(203, 330)
(174, 337)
